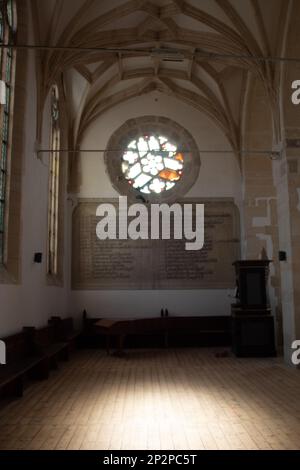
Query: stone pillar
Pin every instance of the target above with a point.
(260, 223)
(288, 228)
(287, 178)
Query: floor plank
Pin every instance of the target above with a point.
(158, 399)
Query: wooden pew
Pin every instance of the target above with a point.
(44, 342)
(21, 362)
(64, 331)
(174, 330)
(33, 352)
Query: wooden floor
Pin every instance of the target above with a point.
(158, 399)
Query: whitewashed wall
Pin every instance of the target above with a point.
(32, 302)
(219, 177)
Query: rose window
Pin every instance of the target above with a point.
(152, 164)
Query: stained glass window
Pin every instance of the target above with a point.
(54, 164)
(152, 164)
(7, 58)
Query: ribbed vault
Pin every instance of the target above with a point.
(95, 80)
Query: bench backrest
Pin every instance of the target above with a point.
(16, 347)
(68, 324)
(62, 327)
(44, 337)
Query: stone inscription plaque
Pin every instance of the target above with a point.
(155, 264)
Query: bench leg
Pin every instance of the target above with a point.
(41, 371)
(121, 343)
(74, 344)
(37, 374)
(17, 387)
(166, 339)
(65, 353)
(71, 347)
(108, 344)
(120, 351)
(54, 362)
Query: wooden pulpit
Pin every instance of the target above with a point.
(252, 322)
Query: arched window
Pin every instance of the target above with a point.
(54, 166)
(7, 77)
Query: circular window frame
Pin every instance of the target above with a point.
(147, 125)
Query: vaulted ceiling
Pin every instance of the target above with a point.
(112, 51)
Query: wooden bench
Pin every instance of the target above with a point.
(174, 330)
(44, 342)
(64, 331)
(21, 362)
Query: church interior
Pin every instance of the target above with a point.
(114, 334)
